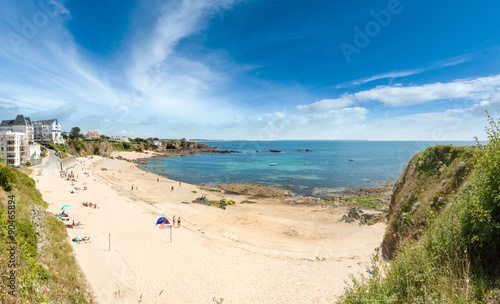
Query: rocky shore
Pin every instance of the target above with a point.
(255, 190)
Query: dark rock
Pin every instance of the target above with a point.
(346, 219)
(362, 221)
(202, 201)
(368, 217)
(353, 213)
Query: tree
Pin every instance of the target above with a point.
(74, 133)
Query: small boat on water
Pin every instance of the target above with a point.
(351, 159)
(273, 164)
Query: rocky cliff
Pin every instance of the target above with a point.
(429, 180)
(85, 148)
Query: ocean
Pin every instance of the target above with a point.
(330, 167)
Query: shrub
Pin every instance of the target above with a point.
(6, 178)
(480, 219)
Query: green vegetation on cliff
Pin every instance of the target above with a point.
(444, 230)
(40, 266)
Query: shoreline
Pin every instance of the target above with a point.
(376, 188)
(243, 253)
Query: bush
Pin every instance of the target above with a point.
(6, 178)
(480, 220)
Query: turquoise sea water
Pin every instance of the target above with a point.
(330, 167)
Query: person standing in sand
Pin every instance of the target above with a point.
(173, 222)
(179, 222)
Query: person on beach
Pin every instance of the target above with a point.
(179, 184)
(173, 222)
(172, 189)
(179, 222)
(132, 187)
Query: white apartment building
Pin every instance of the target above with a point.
(48, 131)
(15, 150)
(22, 125)
(17, 144)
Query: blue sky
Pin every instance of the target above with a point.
(259, 70)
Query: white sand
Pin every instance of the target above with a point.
(250, 253)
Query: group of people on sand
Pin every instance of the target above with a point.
(76, 225)
(178, 221)
(85, 239)
(90, 204)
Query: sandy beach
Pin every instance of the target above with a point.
(269, 252)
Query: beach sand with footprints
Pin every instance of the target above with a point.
(267, 252)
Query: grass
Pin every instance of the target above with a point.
(248, 202)
(211, 190)
(435, 269)
(122, 147)
(367, 202)
(47, 275)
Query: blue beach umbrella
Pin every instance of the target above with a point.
(65, 207)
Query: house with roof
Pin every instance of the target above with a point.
(92, 135)
(48, 131)
(120, 138)
(21, 124)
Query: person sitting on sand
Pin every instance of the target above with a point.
(373, 270)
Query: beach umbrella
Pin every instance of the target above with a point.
(65, 207)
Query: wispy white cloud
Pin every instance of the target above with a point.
(50, 71)
(326, 105)
(435, 66)
(460, 120)
(398, 96)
